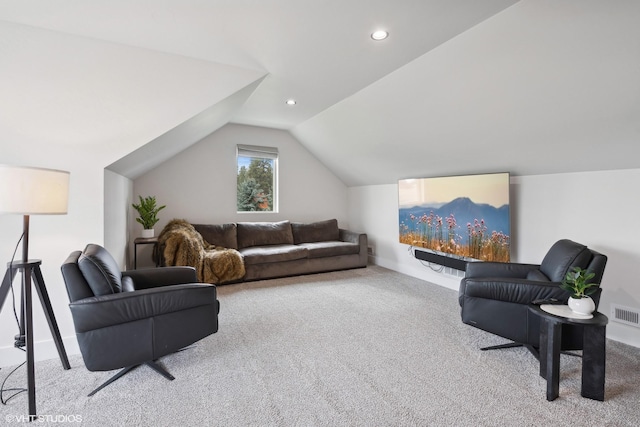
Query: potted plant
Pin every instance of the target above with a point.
(148, 211)
(577, 283)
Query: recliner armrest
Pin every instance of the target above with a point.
(509, 290)
(115, 309)
(147, 278)
(499, 269)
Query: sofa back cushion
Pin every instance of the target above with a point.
(322, 231)
(100, 270)
(264, 233)
(223, 235)
(562, 257)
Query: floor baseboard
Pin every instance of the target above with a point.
(43, 350)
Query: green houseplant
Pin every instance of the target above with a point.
(577, 283)
(148, 214)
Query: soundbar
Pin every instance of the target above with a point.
(447, 261)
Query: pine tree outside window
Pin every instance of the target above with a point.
(257, 178)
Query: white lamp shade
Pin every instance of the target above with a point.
(27, 191)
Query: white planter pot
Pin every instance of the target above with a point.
(147, 233)
(584, 305)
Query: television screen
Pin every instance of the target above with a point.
(462, 216)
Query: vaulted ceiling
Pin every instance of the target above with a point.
(459, 86)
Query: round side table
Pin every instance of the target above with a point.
(593, 352)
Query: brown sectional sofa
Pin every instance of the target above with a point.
(284, 248)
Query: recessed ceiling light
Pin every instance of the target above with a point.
(291, 102)
(379, 35)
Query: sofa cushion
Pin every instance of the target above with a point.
(100, 270)
(328, 249)
(272, 253)
(264, 233)
(321, 231)
(223, 235)
(564, 255)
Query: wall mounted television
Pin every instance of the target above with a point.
(465, 217)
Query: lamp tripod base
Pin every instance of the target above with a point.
(21, 341)
(31, 274)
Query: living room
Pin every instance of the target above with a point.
(545, 90)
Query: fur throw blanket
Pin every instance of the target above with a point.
(181, 244)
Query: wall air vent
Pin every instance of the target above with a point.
(626, 315)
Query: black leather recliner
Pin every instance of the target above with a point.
(495, 296)
(125, 319)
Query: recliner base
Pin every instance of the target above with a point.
(501, 346)
(532, 349)
(152, 364)
(535, 351)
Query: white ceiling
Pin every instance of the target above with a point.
(460, 86)
(547, 86)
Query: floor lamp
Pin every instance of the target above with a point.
(32, 191)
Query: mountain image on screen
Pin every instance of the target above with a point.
(460, 227)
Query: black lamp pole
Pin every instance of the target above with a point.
(28, 319)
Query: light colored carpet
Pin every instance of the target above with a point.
(366, 347)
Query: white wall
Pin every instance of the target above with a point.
(199, 184)
(118, 197)
(598, 209)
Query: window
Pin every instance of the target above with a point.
(257, 178)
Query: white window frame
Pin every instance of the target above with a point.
(256, 151)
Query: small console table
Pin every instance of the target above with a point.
(145, 241)
(593, 353)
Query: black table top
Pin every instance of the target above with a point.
(145, 240)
